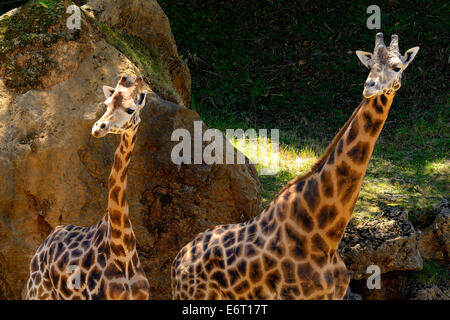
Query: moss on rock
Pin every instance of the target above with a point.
(145, 58)
(28, 39)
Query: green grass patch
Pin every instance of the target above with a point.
(433, 273)
(291, 65)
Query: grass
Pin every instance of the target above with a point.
(433, 273)
(291, 66)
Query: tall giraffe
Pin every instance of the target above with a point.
(100, 261)
(289, 251)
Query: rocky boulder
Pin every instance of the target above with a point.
(390, 243)
(53, 172)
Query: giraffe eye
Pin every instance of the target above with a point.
(129, 111)
(396, 69)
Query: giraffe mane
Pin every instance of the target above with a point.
(327, 152)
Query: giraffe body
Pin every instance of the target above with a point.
(259, 267)
(289, 251)
(72, 252)
(100, 261)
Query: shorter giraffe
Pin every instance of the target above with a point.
(289, 251)
(100, 261)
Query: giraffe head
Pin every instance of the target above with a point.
(123, 105)
(386, 66)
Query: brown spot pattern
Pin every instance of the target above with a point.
(359, 153)
(353, 132)
(326, 215)
(327, 183)
(114, 194)
(311, 194)
(371, 126)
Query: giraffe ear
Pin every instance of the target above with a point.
(140, 102)
(108, 91)
(409, 56)
(365, 58)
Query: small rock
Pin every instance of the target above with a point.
(431, 293)
(434, 241)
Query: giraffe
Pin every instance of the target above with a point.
(289, 251)
(99, 261)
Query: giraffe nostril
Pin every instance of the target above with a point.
(370, 83)
(103, 126)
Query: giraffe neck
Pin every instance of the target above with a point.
(322, 203)
(120, 231)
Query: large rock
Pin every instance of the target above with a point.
(146, 20)
(53, 172)
(390, 243)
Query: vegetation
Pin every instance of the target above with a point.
(433, 272)
(143, 56)
(32, 31)
(291, 65)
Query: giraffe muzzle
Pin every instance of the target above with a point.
(100, 129)
(371, 88)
